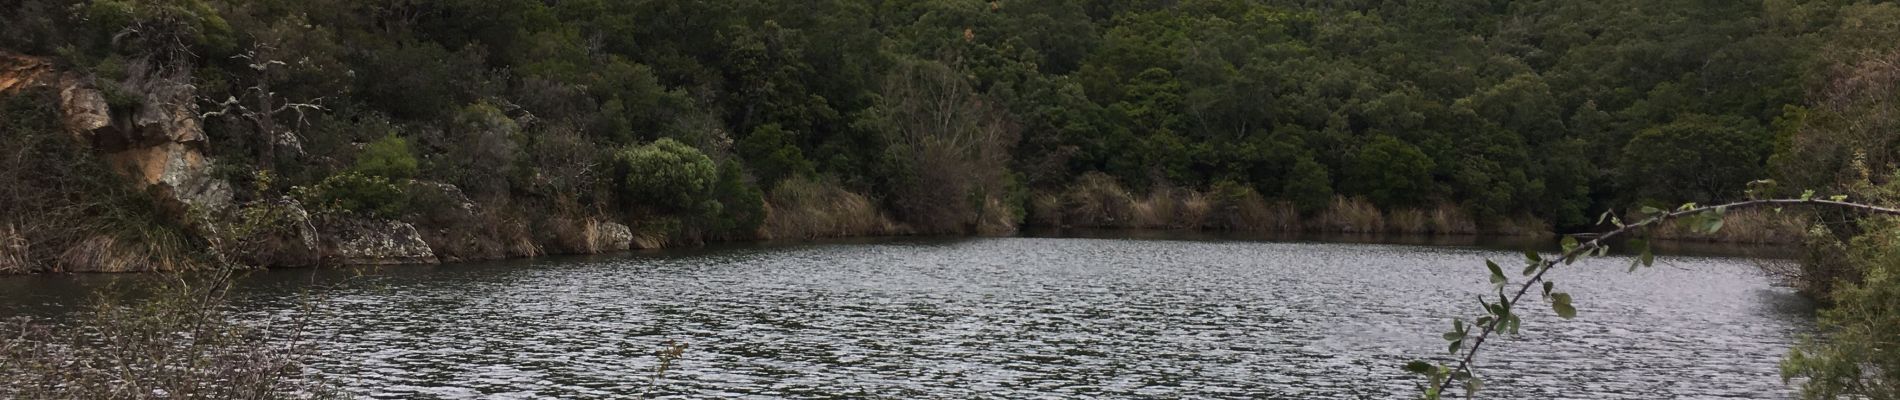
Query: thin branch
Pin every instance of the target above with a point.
(1471, 354)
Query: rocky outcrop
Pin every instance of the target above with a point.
(355, 241)
(612, 236)
(153, 135)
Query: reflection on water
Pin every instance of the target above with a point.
(1031, 317)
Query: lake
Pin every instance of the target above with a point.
(1023, 317)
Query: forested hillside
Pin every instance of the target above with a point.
(738, 119)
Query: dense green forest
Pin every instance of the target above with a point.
(705, 120)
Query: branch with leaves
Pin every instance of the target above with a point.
(1502, 315)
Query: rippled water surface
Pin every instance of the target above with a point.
(1034, 318)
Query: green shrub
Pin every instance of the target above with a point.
(742, 205)
(667, 175)
(354, 193)
(388, 157)
(770, 153)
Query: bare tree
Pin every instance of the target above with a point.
(957, 144)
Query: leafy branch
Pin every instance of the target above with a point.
(1502, 315)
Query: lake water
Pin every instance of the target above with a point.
(1023, 318)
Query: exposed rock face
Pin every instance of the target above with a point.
(351, 241)
(611, 236)
(158, 141)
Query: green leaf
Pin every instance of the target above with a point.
(1647, 210)
(1532, 257)
(1531, 269)
(1472, 386)
(1605, 217)
(1455, 345)
(1569, 243)
(1838, 198)
(1560, 302)
(1454, 336)
(1548, 285)
(1497, 275)
(1807, 195)
(1419, 367)
(1458, 325)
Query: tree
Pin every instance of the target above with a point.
(1697, 158)
(1389, 172)
(1308, 186)
(953, 145)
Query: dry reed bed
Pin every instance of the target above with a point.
(1098, 201)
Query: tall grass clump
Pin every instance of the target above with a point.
(1350, 215)
(802, 208)
(1096, 200)
(1237, 207)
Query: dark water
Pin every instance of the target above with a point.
(1028, 318)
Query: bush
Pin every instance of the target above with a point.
(353, 193)
(667, 175)
(772, 156)
(388, 157)
(179, 342)
(1857, 359)
(742, 206)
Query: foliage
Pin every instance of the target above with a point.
(1852, 360)
(388, 157)
(354, 193)
(1696, 158)
(178, 340)
(666, 175)
(742, 205)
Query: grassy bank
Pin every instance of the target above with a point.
(1098, 201)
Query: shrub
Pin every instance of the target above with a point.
(771, 154)
(667, 175)
(1308, 186)
(354, 194)
(1856, 358)
(742, 206)
(180, 341)
(388, 157)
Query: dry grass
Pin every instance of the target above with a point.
(1444, 219)
(800, 208)
(1742, 226)
(1096, 200)
(1448, 218)
(13, 251)
(1523, 225)
(1350, 215)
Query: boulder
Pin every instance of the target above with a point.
(611, 236)
(357, 241)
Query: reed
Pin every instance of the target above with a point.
(800, 208)
(1350, 215)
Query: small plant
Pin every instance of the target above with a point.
(670, 352)
(354, 194)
